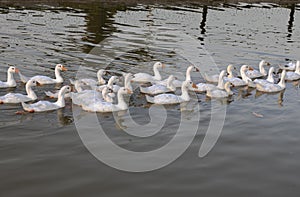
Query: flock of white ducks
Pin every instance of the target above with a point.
(102, 96)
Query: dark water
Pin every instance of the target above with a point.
(43, 155)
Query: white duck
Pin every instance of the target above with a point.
(44, 79)
(101, 106)
(269, 87)
(11, 82)
(289, 67)
(270, 78)
(158, 89)
(93, 82)
(203, 87)
(172, 98)
(235, 81)
(178, 83)
(145, 77)
(217, 93)
(252, 74)
(293, 76)
(42, 106)
(18, 98)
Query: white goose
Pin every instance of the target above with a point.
(270, 78)
(269, 87)
(217, 93)
(158, 89)
(11, 82)
(101, 106)
(293, 76)
(145, 77)
(203, 87)
(252, 74)
(178, 83)
(18, 98)
(235, 81)
(93, 82)
(42, 106)
(172, 98)
(44, 79)
(289, 67)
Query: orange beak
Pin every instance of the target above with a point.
(194, 85)
(63, 68)
(250, 68)
(129, 91)
(163, 66)
(17, 70)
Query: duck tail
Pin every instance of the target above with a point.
(150, 99)
(23, 78)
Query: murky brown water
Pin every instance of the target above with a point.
(43, 155)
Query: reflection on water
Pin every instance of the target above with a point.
(254, 154)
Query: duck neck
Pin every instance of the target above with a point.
(157, 75)
(244, 76)
(110, 82)
(127, 83)
(297, 68)
(262, 69)
(58, 76)
(185, 93)
(10, 79)
(270, 76)
(230, 74)
(100, 78)
(221, 81)
(61, 99)
(30, 93)
(228, 90)
(121, 101)
(188, 73)
(282, 81)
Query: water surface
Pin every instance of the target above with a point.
(43, 154)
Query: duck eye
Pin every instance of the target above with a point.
(13, 68)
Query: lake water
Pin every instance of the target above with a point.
(42, 154)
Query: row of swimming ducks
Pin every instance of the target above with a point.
(100, 95)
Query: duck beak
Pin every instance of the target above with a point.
(194, 85)
(129, 91)
(250, 68)
(163, 66)
(17, 70)
(63, 68)
(72, 88)
(38, 84)
(268, 64)
(197, 69)
(175, 78)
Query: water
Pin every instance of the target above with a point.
(43, 153)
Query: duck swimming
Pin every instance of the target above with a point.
(18, 98)
(45, 79)
(145, 77)
(11, 82)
